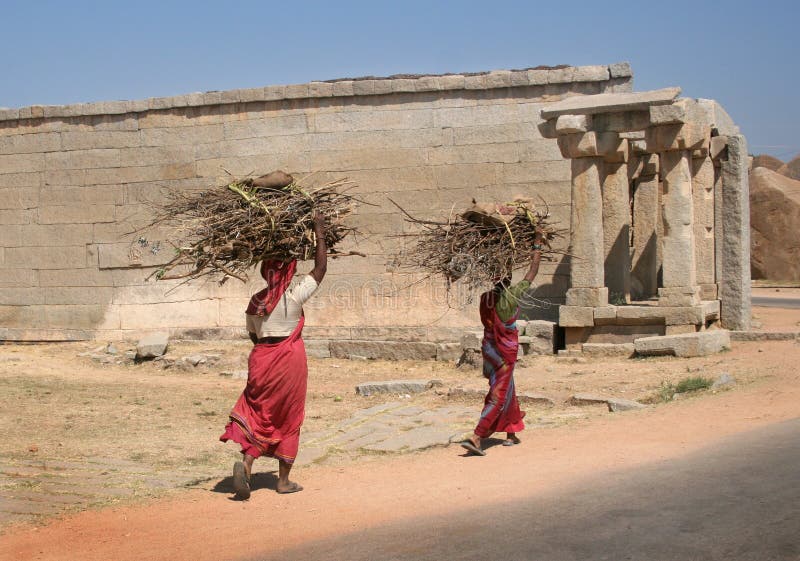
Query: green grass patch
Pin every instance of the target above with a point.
(666, 392)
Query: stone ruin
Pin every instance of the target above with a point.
(659, 231)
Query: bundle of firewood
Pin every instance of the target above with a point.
(225, 231)
(485, 243)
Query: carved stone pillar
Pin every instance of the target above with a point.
(646, 219)
(616, 231)
(703, 201)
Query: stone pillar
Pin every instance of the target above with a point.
(735, 312)
(678, 273)
(586, 235)
(616, 232)
(703, 202)
(646, 218)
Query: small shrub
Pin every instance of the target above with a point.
(693, 384)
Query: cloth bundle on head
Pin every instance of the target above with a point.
(278, 275)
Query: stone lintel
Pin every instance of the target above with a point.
(587, 297)
(610, 103)
(605, 315)
(679, 296)
(575, 316)
(677, 137)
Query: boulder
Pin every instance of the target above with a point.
(774, 223)
(152, 346)
(767, 161)
(791, 169)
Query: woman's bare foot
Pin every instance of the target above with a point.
(241, 481)
(511, 439)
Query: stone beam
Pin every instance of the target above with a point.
(608, 145)
(688, 136)
(610, 103)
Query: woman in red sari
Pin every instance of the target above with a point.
(267, 417)
(499, 309)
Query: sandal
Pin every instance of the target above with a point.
(469, 445)
(241, 482)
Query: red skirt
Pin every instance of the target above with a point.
(267, 417)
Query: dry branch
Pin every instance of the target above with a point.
(477, 248)
(225, 231)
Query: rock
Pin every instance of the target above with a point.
(357, 357)
(587, 399)
(470, 358)
(236, 374)
(791, 168)
(472, 340)
(767, 161)
(535, 399)
(684, 345)
(152, 346)
(195, 360)
(393, 387)
(616, 404)
(414, 439)
(723, 381)
(466, 393)
(448, 351)
(111, 349)
(774, 211)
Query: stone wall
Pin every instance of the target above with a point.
(75, 182)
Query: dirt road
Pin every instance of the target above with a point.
(712, 477)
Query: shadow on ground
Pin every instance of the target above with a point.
(739, 500)
(259, 480)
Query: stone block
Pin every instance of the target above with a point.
(639, 315)
(687, 315)
(575, 316)
(472, 340)
(393, 387)
(343, 88)
(616, 405)
(680, 329)
(646, 165)
(152, 346)
(452, 82)
(678, 296)
(567, 124)
(591, 74)
(498, 79)
(711, 309)
(603, 350)
(296, 91)
(629, 123)
(448, 352)
(688, 136)
(320, 89)
(620, 70)
(587, 297)
(477, 82)
(701, 343)
(719, 147)
(318, 348)
(537, 77)
(668, 114)
(605, 314)
(46, 257)
(519, 78)
(560, 75)
(387, 350)
(588, 144)
(540, 329)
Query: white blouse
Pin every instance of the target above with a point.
(283, 319)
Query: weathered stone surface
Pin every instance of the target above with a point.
(620, 70)
(608, 350)
(195, 360)
(388, 350)
(688, 136)
(448, 351)
(393, 387)
(152, 346)
(566, 124)
(609, 145)
(318, 348)
(586, 232)
(472, 340)
(734, 271)
(587, 399)
(774, 210)
(610, 103)
(687, 345)
(587, 297)
(575, 316)
(617, 404)
(765, 335)
(414, 439)
(535, 399)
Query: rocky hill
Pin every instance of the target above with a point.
(791, 168)
(774, 224)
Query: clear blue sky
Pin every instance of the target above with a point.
(741, 53)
